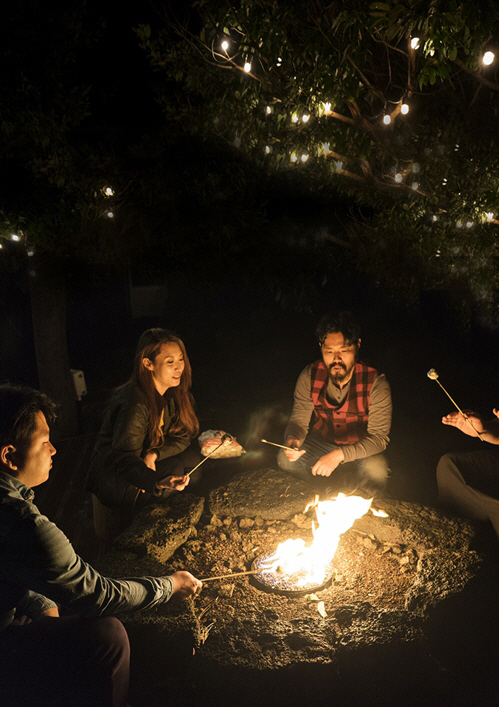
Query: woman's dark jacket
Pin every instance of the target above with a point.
(117, 462)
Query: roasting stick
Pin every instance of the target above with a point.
(274, 444)
(234, 574)
(433, 375)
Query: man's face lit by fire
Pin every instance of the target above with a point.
(339, 357)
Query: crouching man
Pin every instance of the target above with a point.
(82, 659)
(348, 406)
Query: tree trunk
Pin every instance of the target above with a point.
(48, 308)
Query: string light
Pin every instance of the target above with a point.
(459, 224)
(305, 118)
(1, 246)
(488, 58)
(437, 254)
(404, 108)
(294, 118)
(293, 157)
(304, 157)
(327, 107)
(247, 67)
(268, 110)
(237, 142)
(398, 177)
(415, 43)
(325, 146)
(416, 167)
(30, 253)
(14, 237)
(387, 120)
(108, 191)
(267, 149)
(225, 45)
(110, 214)
(434, 218)
(469, 224)
(339, 165)
(489, 215)
(414, 186)
(279, 61)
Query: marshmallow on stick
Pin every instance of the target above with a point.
(433, 375)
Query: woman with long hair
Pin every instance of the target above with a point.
(142, 448)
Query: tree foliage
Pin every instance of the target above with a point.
(319, 90)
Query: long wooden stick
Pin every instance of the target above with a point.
(205, 458)
(459, 410)
(274, 444)
(233, 574)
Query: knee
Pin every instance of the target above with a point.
(283, 462)
(446, 467)
(111, 636)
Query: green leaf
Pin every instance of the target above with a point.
(380, 6)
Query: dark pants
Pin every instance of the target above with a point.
(69, 661)
(369, 473)
(469, 482)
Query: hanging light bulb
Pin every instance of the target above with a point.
(415, 43)
(488, 58)
(404, 108)
(459, 224)
(325, 146)
(398, 177)
(267, 149)
(110, 214)
(108, 191)
(225, 45)
(415, 186)
(305, 118)
(327, 107)
(387, 119)
(268, 110)
(469, 224)
(294, 118)
(304, 157)
(434, 218)
(237, 142)
(416, 167)
(489, 215)
(247, 66)
(30, 253)
(14, 237)
(279, 61)
(339, 165)
(293, 157)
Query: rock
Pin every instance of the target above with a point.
(160, 529)
(302, 521)
(246, 523)
(369, 544)
(259, 522)
(216, 521)
(227, 521)
(267, 493)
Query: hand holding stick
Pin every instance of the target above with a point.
(433, 375)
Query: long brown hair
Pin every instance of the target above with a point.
(149, 346)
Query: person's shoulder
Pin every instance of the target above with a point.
(129, 395)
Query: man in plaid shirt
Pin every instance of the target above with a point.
(341, 417)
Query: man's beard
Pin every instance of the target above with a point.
(340, 375)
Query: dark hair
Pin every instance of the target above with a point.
(18, 408)
(149, 346)
(339, 322)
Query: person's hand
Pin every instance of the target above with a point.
(177, 483)
(150, 460)
(185, 584)
(292, 456)
(54, 612)
(328, 463)
(468, 422)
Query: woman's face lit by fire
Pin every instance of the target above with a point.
(339, 356)
(166, 367)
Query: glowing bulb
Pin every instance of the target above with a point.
(416, 167)
(404, 108)
(304, 157)
(459, 224)
(305, 118)
(267, 149)
(110, 214)
(488, 58)
(294, 118)
(434, 218)
(30, 253)
(469, 224)
(414, 186)
(293, 157)
(1, 246)
(339, 165)
(268, 110)
(14, 237)
(247, 67)
(108, 191)
(325, 146)
(387, 120)
(398, 177)
(237, 142)
(415, 43)
(225, 45)
(279, 61)
(327, 107)
(489, 215)
(437, 254)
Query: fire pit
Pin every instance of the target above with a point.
(296, 568)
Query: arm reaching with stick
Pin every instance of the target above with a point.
(471, 424)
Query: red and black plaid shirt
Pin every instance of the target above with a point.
(346, 423)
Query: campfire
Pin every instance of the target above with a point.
(297, 567)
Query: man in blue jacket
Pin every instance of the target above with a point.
(81, 659)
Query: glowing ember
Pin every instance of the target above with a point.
(303, 565)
